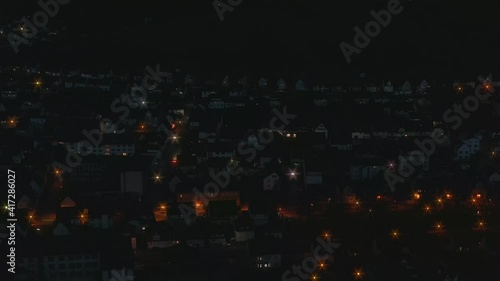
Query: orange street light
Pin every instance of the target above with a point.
(395, 234)
(358, 274)
(439, 226)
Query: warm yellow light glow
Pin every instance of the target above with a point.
(417, 196)
(157, 177)
(358, 274)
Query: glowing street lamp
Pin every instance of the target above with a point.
(292, 174)
(439, 227)
(358, 274)
(395, 234)
(175, 138)
(157, 177)
(391, 165)
(427, 209)
(481, 224)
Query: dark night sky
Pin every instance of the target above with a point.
(435, 39)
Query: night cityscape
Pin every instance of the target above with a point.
(249, 141)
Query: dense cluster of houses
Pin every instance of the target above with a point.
(138, 165)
